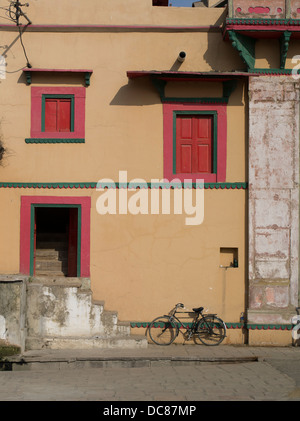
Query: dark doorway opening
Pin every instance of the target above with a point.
(56, 243)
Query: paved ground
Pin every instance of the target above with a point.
(172, 374)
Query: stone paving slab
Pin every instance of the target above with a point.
(176, 373)
(255, 381)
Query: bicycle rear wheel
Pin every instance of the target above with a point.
(163, 331)
(211, 330)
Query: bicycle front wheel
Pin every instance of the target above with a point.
(211, 330)
(163, 331)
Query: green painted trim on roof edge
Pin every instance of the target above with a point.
(230, 326)
(276, 72)
(262, 21)
(92, 185)
(46, 140)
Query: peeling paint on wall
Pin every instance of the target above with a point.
(273, 198)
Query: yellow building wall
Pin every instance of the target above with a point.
(154, 261)
(120, 133)
(140, 265)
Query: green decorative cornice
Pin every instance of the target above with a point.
(182, 325)
(245, 46)
(93, 185)
(258, 326)
(63, 140)
(48, 185)
(261, 21)
(274, 72)
(250, 326)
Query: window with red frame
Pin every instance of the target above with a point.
(57, 115)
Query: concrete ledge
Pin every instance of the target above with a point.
(22, 363)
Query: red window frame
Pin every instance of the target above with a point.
(79, 94)
(218, 173)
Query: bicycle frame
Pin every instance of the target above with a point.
(196, 318)
(208, 328)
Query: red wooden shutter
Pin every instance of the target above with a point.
(194, 144)
(64, 115)
(50, 115)
(57, 115)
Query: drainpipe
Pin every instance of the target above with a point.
(181, 56)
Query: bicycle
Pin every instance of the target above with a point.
(210, 329)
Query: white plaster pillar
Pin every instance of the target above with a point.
(273, 199)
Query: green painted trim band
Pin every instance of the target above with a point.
(229, 326)
(92, 185)
(48, 140)
(159, 324)
(261, 21)
(252, 326)
(273, 71)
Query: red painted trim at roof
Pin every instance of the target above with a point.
(263, 31)
(79, 27)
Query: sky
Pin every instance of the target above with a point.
(180, 3)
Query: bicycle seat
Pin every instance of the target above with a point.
(198, 310)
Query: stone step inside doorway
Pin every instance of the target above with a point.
(51, 255)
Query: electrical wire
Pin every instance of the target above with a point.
(21, 40)
(14, 12)
(2, 17)
(7, 14)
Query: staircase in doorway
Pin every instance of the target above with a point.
(51, 254)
